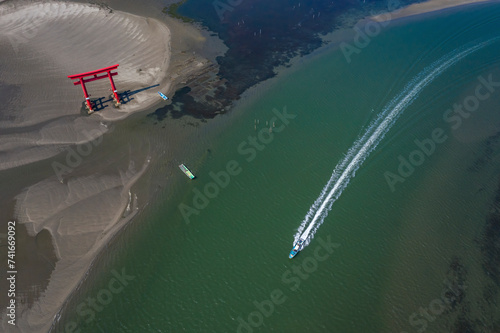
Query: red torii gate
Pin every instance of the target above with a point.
(81, 80)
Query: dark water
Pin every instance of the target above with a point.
(262, 35)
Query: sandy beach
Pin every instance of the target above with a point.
(42, 42)
(424, 7)
(82, 207)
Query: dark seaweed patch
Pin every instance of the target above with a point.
(261, 35)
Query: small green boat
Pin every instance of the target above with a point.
(186, 171)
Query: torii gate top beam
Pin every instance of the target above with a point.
(93, 73)
(92, 79)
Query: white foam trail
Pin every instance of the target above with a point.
(347, 167)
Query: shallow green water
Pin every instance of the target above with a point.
(393, 248)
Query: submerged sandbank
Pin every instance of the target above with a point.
(63, 208)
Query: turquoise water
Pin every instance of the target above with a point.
(392, 249)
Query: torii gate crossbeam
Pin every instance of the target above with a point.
(94, 76)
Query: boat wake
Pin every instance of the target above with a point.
(362, 147)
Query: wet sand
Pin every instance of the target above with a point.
(74, 207)
(45, 42)
(83, 209)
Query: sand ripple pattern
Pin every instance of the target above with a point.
(42, 43)
(80, 215)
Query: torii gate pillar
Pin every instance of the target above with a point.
(86, 94)
(115, 93)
